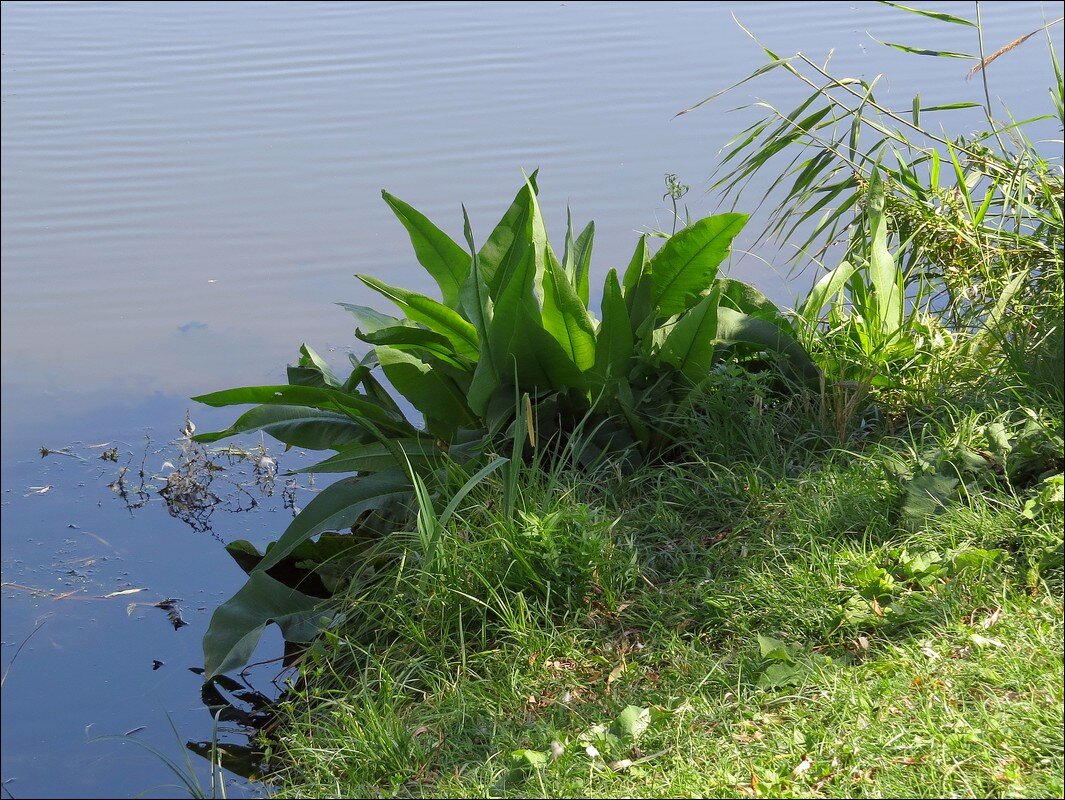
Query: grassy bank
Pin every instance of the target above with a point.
(769, 615)
(694, 544)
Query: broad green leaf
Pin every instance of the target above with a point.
(310, 396)
(637, 289)
(582, 261)
(783, 673)
(312, 370)
(637, 266)
(437, 252)
(331, 556)
(926, 495)
(517, 335)
(479, 309)
(568, 256)
(427, 311)
(429, 390)
(237, 624)
(823, 291)
(775, 649)
(613, 342)
(632, 723)
(376, 456)
(687, 263)
(506, 244)
(542, 364)
(245, 554)
(362, 366)
(363, 376)
(524, 761)
(541, 247)
(518, 288)
(539, 360)
(736, 328)
(689, 347)
(565, 317)
(745, 298)
(417, 339)
(296, 426)
(370, 320)
(882, 271)
(338, 507)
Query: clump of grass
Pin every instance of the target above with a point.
(765, 605)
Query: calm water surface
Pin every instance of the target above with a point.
(186, 188)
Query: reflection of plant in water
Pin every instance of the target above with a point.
(193, 481)
(187, 488)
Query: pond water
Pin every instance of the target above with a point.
(186, 190)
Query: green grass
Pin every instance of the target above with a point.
(773, 621)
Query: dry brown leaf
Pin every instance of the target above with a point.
(992, 619)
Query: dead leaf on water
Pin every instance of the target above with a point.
(173, 613)
(122, 592)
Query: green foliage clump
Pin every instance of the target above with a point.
(511, 350)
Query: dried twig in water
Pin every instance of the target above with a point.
(18, 650)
